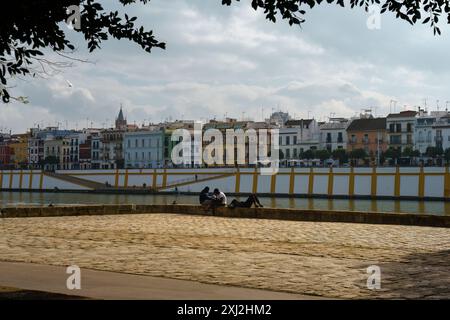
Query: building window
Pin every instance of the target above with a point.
(395, 139)
(340, 137)
(392, 127)
(294, 153)
(288, 141)
(409, 139)
(398, 127)
(295, 139)
(288, 153)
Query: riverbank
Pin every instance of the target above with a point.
(310, 258)
(401, 183)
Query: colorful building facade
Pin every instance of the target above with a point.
(368, 134)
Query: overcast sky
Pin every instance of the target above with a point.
(229, 61)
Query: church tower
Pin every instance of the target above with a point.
(121, 122)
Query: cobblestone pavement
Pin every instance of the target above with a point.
(325, 259)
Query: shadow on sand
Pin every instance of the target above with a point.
(415, 276)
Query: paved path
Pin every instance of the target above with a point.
(112, 285)
(309, 258)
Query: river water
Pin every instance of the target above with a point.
(404, 206)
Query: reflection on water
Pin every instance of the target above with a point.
(404, 206)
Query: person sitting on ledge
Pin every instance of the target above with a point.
(205, 197)
(219, 198)
(252, 199)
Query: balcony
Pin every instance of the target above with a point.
(397, 139)
(401, 131)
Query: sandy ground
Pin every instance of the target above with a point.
(323, 259)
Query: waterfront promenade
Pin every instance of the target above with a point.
(113, 285)
(308, 258)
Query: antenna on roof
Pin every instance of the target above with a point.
(392, 102)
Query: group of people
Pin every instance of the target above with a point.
(217, 198)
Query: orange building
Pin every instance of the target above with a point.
(368, 134)
(19, 148)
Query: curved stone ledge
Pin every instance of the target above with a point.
(260, 213)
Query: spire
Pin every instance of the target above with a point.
(121, 122)
(120, 117)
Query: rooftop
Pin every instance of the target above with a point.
(403, 114)
(369, 124)
(336, 125)
(304, 122)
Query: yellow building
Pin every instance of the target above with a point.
(19, 146)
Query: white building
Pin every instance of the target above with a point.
(333, 134)
(441, 132)
(52, 153)
(424, 130)
(143, 149)
(111, 149)
(298, 136)
(400, 129)
(96, 147)
(75, 140)
(35, 151)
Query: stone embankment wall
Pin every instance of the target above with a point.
(253, 213)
